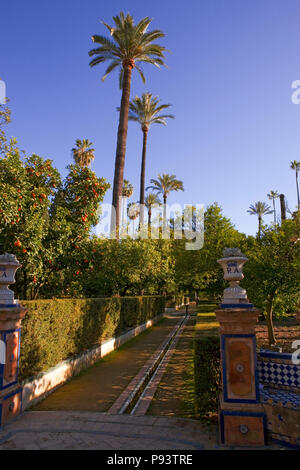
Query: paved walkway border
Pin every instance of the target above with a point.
(137, 384)
(53, 430)
(37, 388)
(145, 399)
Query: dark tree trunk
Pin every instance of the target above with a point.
(259, 225)
(121, 147)
(282, 207)
(271, 333)
(165, 213)
(143, 173)
(149, 218)
(298, 197)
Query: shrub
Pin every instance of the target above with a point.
(207, 374)
(173, 301)
(57, 329)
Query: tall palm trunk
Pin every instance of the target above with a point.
(298, 197)
(274, 208)
(259, 225)
(165, 213)
(124, 203)
(149, 217)
(121, 146)
(282, 207)
(143, 173)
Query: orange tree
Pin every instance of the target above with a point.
(75, 210)
(197, 270)
(272, 274)
(104, 267)
(42, 219)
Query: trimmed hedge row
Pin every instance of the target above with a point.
(57, 329)
(207, 369)
(173, 301)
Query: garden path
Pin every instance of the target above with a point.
(77, 417)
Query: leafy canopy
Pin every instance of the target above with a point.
(146, 111)
(83, 153)
(165, 183)
(130, 44)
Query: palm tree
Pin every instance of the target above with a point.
(151, 199)
(260, 209)
(296, 166)
(129, 45)
(272, 196)
(133, 211)
(164, 184)
(83, 154)
(127, 192)
(146, 111)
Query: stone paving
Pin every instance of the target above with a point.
(145, 400)
(98, 387)
(70, 430)
(66, 430)
(141, 377)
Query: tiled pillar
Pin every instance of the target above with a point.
(242, 417)
(11, 315)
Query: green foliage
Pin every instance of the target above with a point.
(198, 269)
(176, 300)
(137, 310)
(146, 111)
(43, 220)
(273, 269)
(83, 153)
(164, 184)
(57, 329)
(272, 274)
(129, 44)
(207, 374)
(129, 267)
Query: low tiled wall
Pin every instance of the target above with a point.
(279, 381)
(278, 370)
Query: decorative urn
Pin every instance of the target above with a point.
(232, 263)
(8, 267)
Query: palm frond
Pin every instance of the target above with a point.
(128, 42)
(110, 68)
(140, 71)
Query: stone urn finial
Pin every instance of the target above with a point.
(8, 267)
(232, 263)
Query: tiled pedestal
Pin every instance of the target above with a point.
(10, 391)
(242, 417)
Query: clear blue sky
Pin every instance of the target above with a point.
(231, 66)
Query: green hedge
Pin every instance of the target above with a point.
(54, 330)
(207, 374)
(173, 301)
